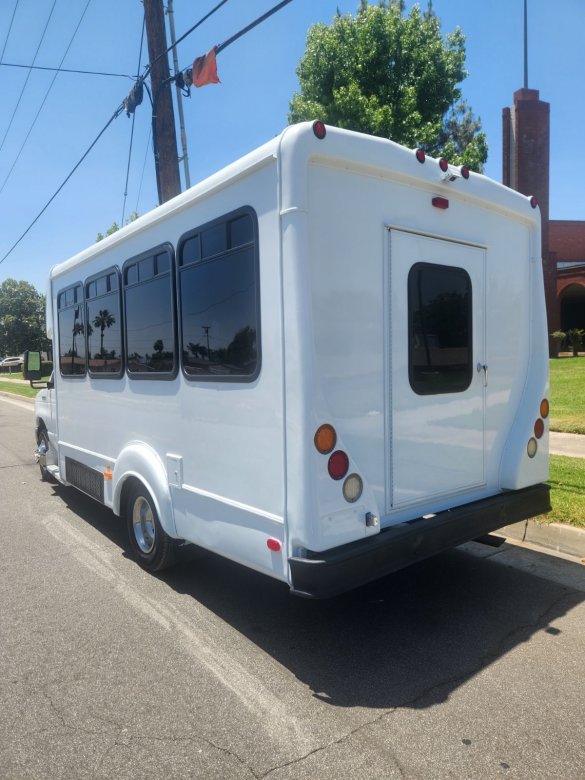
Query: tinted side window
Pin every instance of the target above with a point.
(71, 332)
(440, 329)
(104, 326)
(219, 300)
(149, 316)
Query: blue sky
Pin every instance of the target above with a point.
(225, 121)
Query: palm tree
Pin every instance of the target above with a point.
(103, 320)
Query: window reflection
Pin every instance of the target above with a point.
(71, 332)
(150, 335)
(219, 303)
(104, 335)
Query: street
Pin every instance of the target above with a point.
(459, 667)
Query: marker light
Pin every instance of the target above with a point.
(533, 202)
(273, 544)
(325, 439)
(352, 488)
(539, 428)
(544, 408)
(319, 129)
(420, 155)
(443, 165)
(338, 465)
(440, 203)
(531, 448)
(465, 171)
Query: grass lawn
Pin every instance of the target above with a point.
(567, 481)
(7, 386)
(567, 395)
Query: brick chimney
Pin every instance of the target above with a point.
(525, 161)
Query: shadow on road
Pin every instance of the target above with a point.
(408, 640)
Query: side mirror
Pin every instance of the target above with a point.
(32, 368)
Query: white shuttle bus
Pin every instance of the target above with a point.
(325, 362)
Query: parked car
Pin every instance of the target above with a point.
(10, 364)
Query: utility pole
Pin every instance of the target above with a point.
(163, 119)
(185, 157)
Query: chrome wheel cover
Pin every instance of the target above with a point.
(143, 525)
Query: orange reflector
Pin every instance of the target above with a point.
(273, 544)
(108, 473)
(325, 438)
(538, 428)
(544, 408)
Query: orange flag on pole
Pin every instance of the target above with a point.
(205, 70)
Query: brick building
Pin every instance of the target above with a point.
(525, 162)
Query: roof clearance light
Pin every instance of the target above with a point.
(443, 165)
(319, 129)
(352, 488)
(465, 171)
(532, 447)
(325, 439)
(420, 155)
(539, 428)
(544, 408)
(533, 202)
(440, 203)
(338, 465)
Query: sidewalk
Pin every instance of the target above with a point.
(571, 444)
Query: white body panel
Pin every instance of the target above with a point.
(340, 224)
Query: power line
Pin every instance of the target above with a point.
(251, 26)
(68, 70)
(28, 75)
(9, 30)
(45, 97)
(115, 115)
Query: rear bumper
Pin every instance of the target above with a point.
(334, 571)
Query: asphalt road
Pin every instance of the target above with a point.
(461, 667)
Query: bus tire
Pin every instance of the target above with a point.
(153, 549)
(43, 439)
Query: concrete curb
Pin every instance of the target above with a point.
(566, 539)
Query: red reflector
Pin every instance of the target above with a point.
(273, 544)
(538, 428)
(465, 171)
(440, 203)
(443, 165)
(533, 202)
(420, 155)
(338, 465)
(319, 129)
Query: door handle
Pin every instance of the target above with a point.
(484, 368)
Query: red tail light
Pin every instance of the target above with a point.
(338, 465)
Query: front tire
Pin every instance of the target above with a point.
(43, 446)
(150, 545)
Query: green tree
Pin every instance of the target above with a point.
(392, 75)
(102, 321)
(22, 318)
(115, 227)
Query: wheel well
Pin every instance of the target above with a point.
(126, 488)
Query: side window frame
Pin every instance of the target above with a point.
(157, 250)
(180, 267)
(81, 304)
(446, 388)
(95, 277)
